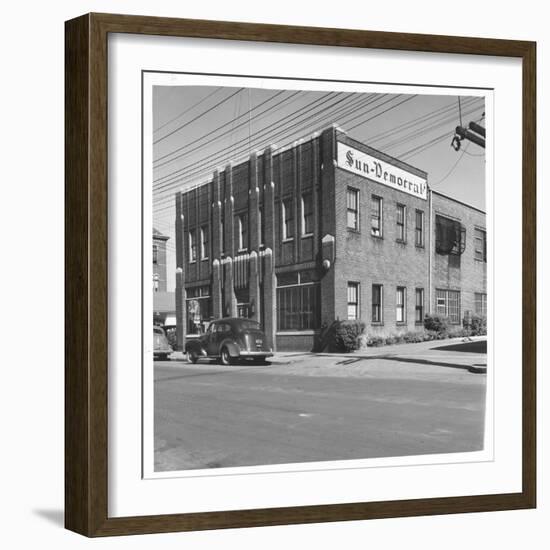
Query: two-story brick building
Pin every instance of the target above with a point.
(326, 229)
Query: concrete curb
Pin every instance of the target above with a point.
(478, 369)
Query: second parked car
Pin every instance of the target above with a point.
(228, 340)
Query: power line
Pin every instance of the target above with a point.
(197, 117)
(187, 110)
(219, 128)
(198, 169)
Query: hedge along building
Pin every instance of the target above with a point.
(326, 229)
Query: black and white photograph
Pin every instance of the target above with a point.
(317, 259)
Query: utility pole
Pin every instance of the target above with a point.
(474, 133)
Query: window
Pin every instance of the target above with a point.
(353, 300)
(242, 231)
(287, 219)
(298, 302)
(481, 304)
(450, 236)
(204, 242)
(419, 228)
(376, 216)
(419, 306)
(352, 199)
(199, 309)
(400, 220)
(376, 303)
(261, 224)
(400, 310)
(480, 245)
(448, 304)
(155, 253)
(307, 214)
(156, 282)
(192, 245)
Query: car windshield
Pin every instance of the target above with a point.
(246, 324)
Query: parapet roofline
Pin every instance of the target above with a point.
(341, 135)
(458, 201)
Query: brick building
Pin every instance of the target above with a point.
(326, 229)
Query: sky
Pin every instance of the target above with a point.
(199, 128)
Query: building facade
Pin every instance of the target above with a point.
(326, 229)
(159, 261)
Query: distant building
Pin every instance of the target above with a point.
(159, 260)
(326, 229)
(164, 303)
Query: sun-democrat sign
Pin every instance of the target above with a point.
(373, 168)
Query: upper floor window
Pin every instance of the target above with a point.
(352, 200)
(307, 213)
(287, 219)
(242, 228)
(419, 228)
(480, 245)
(450, 236)
(155, 253)
(376, 216)
(192, 245)
(204, 242)
(400, 221)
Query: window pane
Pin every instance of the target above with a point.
(376, 303)
(376, 214)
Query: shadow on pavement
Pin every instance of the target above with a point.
(478, 346)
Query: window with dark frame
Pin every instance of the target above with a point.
(376, 304)
(352, 203)
(376, 216)
(480, 244)
(298, 301)
(400, 221)
(353, 300)
(400, 310)
(204, 242)
(419, 228)
(287, 219)
(307, 213)
(155, 253)
(192, 245)
(419, 306)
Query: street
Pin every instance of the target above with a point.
(401, 400)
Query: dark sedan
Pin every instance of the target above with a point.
(228, 340)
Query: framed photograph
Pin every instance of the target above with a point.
(300, 275)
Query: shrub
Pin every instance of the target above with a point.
(436, 323)
(458, 332)
(345, 336)
(413, 337)
(375, 341)
(478, 326)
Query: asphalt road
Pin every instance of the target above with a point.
(306, 408)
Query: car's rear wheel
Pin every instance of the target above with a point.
(193, 356)
(225, 357)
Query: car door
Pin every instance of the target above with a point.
(211, 339)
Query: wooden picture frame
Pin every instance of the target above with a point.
(86, 280)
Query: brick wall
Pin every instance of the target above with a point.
(464, 272)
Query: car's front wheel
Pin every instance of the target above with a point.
(225, 357)
(193, 356)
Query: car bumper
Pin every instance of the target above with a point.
(246, 353)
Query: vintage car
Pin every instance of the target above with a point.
(161, 347)
(228, 340)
